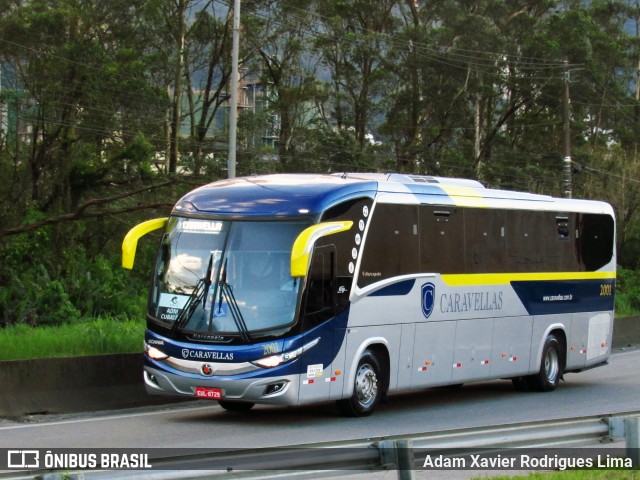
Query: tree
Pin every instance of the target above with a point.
(208, 70)
(354, 40)
(175, 17)
(84, 119)
(82, 76)
(423, 99)
(287, 68)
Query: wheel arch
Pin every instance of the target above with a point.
(380, 348)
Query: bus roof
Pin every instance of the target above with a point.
(311, 194)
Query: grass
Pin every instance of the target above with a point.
(91, 337)
(576, 475)
(626, 305)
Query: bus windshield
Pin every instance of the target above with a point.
(225, 278)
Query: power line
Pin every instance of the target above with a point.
(624, 178)
(466, 55)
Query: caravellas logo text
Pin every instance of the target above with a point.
(205, 355)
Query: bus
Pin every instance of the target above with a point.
(288, 289)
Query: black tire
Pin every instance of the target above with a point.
(232, 406)
(551, 366)
(368, 388)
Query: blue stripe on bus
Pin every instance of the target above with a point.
(565, 296)
(395, 289)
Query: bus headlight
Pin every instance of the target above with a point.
(154, 353)
(279, 359)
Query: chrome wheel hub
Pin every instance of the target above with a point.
(366, 385)
(551, 365)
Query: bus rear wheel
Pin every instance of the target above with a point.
(232, 406)
(367, 388)
(551, 366)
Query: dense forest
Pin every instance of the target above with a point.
(111, 109)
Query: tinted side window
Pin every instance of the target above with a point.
(391, 244)
(525, 239)
(596, 240)
(560, 242)
(485, 240)
(320, 294)
(442, 242)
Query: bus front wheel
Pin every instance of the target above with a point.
(551, 366)
(367, 388)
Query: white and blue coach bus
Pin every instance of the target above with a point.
(292, 289)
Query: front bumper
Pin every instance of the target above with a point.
(277, 390)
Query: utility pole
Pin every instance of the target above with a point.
(233, 101)
(174, 151)
(566, 161)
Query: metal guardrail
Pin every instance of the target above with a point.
(402, 453)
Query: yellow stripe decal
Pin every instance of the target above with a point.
(465, 280)
(464, 196)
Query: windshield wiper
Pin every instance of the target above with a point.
(197, 295)
(226, 292)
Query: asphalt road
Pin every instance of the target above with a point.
(614, 388)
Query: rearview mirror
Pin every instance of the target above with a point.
(130, 242)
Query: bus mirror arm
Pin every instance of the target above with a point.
(130, 242)
(303, 245)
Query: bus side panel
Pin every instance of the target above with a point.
(511, 346)
(578, 341)
(600, 336)
(406, 356)
(590, 342)
(433, 354)
(386, 310)
(472, 351)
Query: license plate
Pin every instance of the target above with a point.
(210, 393)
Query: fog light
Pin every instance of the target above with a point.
(274, 388)
(152, 378)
